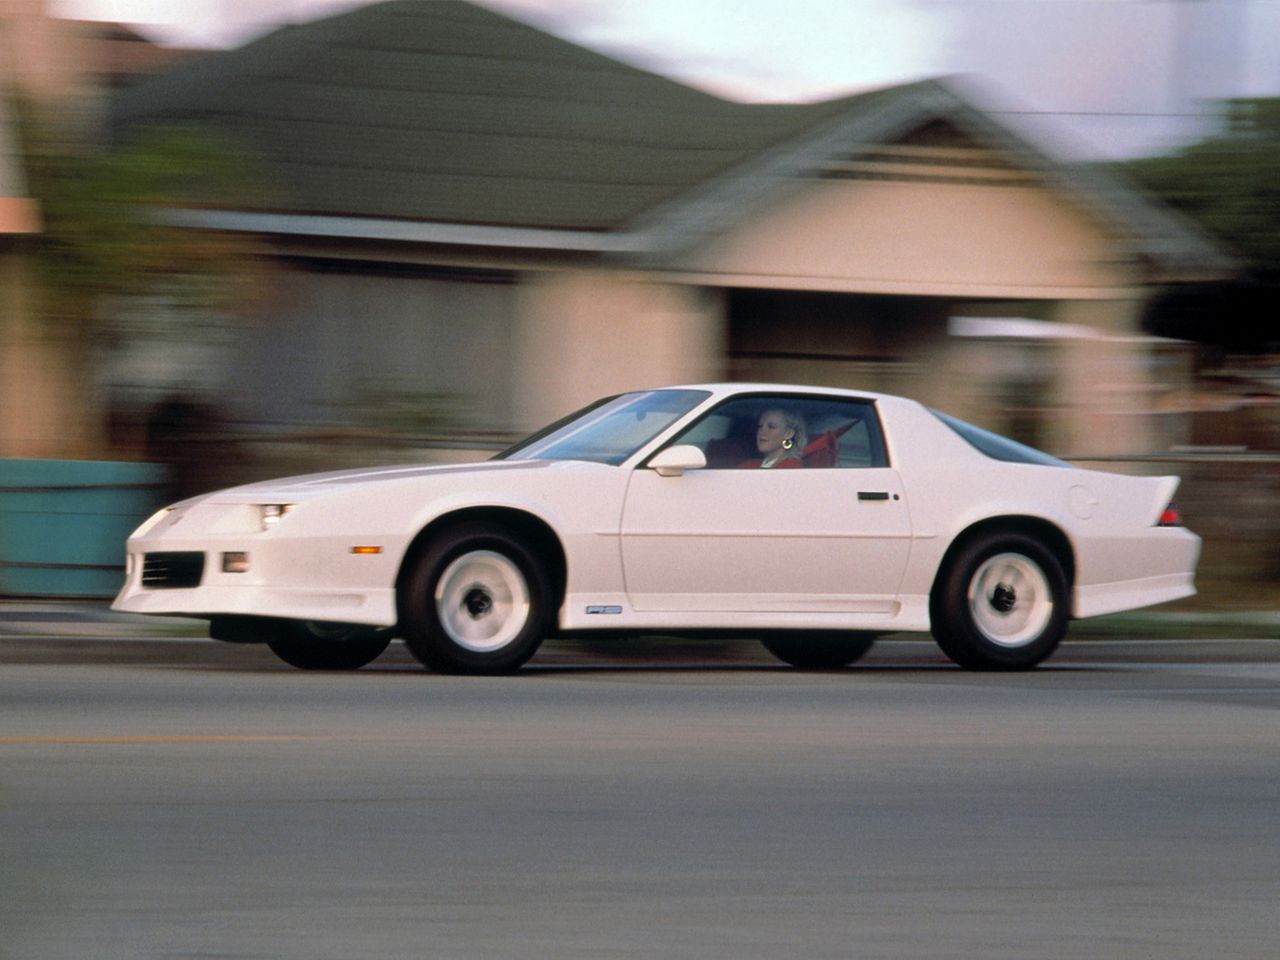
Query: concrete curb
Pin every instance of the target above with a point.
(75, 618)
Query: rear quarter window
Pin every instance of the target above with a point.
(997, 447)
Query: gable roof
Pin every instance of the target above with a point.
(442, 121)
(445, 111)
(1169, 246)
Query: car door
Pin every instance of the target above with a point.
(733, 537)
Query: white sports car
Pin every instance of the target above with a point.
(673, 511)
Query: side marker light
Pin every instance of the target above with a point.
(366, 551)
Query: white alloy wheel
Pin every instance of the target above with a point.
(1010, 600)
(482, 601)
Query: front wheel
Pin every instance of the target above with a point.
(819, 649)
(1001, 604)
(477, 601)
(312, 645)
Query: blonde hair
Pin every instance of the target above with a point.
(791, 420)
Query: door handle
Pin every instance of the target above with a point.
(873, 495)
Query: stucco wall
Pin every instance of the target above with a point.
(918, 237)
(1105, 386)
(37, 54)
(950, 245)
(581, 335)
(42, 388)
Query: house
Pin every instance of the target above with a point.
(463, 211)
(59, 70)
(20, 346)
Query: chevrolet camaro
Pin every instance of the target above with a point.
(811, 519)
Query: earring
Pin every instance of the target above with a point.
(787, 444)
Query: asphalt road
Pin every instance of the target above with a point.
(187, 799)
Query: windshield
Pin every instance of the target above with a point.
(997, 447)
(609, 431)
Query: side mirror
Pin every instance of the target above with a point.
(674, 461)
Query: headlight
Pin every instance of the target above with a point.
(269, 514)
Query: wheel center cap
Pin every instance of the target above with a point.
(1004, 598)
(478, 602)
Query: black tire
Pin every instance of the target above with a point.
(1000, 604)
(819, 649)
(478, 600)
(310, 645)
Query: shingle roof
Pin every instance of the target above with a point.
(439, 115)
(448, 112)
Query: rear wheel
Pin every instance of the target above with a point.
(477, 601)
(1001, 604)
(819, 649)
(313, 645)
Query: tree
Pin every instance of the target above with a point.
(1228, 185)
(102, 235)
(104, 245)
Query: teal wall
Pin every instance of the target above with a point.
(63, 524)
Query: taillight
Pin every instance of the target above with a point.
(1171, 517)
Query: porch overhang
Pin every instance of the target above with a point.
(330, 227)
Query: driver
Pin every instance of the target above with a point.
(780, 439)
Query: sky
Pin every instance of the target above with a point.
(1087, 78)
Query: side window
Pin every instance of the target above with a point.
(789, 431)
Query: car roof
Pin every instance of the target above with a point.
(721, 390)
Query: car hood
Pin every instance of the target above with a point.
(289, 489)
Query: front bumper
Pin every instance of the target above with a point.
(182, 569)
(373, 606)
